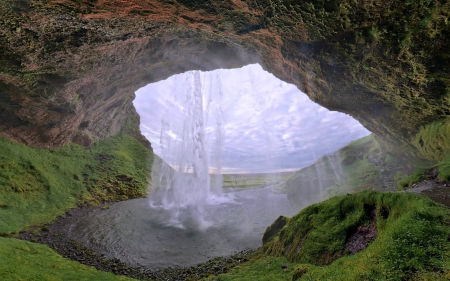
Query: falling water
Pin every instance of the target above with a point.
(188, 189)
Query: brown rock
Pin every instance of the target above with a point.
(69, 69)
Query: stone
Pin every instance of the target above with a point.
(69, 69)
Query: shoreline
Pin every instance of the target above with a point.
(52, 235)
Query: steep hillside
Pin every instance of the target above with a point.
(363, 236)
(37, 185)
(361, 165)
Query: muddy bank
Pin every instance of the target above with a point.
(54, 235)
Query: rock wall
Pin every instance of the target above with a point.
(69, 69)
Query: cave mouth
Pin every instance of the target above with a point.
(253, 121)
(258, 118)
(236, 121)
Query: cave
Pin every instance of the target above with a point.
(69, 71)
(55, 91)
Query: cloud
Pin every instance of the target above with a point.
(265, 123)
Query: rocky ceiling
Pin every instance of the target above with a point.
(69, 69)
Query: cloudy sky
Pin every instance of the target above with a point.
(266, 124)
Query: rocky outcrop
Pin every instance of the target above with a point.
(68, 69)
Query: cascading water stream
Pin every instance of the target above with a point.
(188, 189)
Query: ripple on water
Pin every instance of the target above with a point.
(139, 232)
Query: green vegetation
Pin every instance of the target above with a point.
(37, 185)
(362, 161)
(423, 173)
(387, 53)
(433, 140)
(444, 169)
(404, 181)
(363, 164)
(23, 260)
(261, 268)
(411, 241)
(247, 181)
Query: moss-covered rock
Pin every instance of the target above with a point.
(363, 236)
(69, 69)
(37, 185)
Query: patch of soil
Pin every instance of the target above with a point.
(364, 234)
(52, 234)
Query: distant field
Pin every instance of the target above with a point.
(247, 181)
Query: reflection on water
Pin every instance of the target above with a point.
(138, 233)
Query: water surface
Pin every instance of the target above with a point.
(138, 233)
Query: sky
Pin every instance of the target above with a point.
(265, 124)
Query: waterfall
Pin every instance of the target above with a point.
(188, 189)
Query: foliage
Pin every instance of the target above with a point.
(363, 164)
(23, 260)
(432, 140)
(262, 268)
(444, 169)
(411, 243)
(404, 181)
(246, 181)
(37, 185)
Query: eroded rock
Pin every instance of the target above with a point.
(68, 70)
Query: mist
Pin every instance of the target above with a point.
(268, 125)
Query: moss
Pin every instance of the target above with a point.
(363, 164)
(262, 268)
(432, 140)
(23, 260)
(37, 185)
(404, 181)
(386, 65)
(411, 243)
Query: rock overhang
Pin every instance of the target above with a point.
(70, 69)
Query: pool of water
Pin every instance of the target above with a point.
(139, 233)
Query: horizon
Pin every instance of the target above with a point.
(265, 125)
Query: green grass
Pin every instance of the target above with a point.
(37, 185)
(263, 268)
(411, 243)
(404, 181)
(444, 169)
(420, 173)
(21, 260)
(247, 181)
(363, 164)
(432, 140)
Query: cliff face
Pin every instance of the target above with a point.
(69, 69)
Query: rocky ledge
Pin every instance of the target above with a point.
(69, 69)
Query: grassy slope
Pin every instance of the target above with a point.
(411, 244)
(23, 260)
(261, 268)
(436, 136)
(37, 185)
(361, 165)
